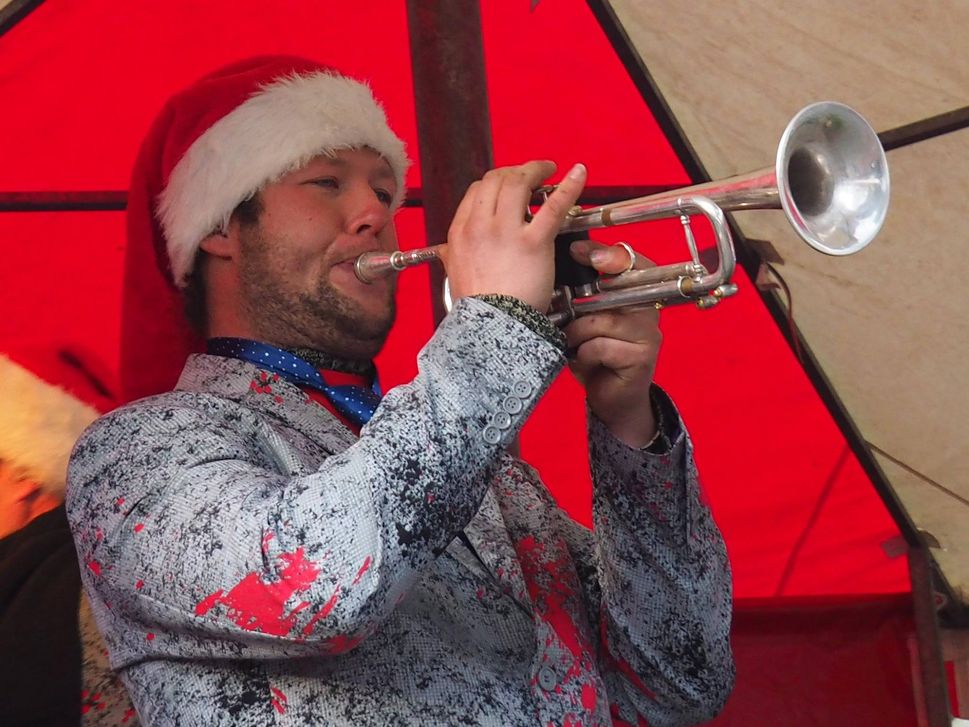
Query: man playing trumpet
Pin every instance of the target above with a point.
(269, 542)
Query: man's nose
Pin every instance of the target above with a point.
(367, 212)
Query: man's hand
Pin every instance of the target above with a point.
(492, 249)
(615, 352)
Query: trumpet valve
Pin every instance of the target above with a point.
(584, 291)
(712, 298)
(561, 311)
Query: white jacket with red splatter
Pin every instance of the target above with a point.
(252, 562)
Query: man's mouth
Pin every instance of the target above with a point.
(347, 269)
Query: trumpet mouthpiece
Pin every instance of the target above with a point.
(372, 266)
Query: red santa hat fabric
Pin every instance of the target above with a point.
(213, 146)
(50, 395)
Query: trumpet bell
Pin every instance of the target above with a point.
(832, 178)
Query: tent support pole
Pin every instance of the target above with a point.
(955, 648)
(935, 707)
(453, 122)
(116, 200)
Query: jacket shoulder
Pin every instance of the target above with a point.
(157, 432)
(162, 412)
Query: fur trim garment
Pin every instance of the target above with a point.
(39, 424)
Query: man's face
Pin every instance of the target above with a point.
(297, 279)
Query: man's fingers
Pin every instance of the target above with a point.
(639, 326)
(534, 173)
(621, 357)
(608, 259)
(517, 185)
(466, 206)
(504, 193)
(489, 191)
(548, 220)
(492, 249)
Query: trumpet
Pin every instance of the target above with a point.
(830, 177)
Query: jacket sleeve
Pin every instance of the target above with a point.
(197, 537)
(656, 572)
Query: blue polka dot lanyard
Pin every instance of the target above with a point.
(356, 403)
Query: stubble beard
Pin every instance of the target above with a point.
(323, 318)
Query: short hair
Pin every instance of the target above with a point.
(247, 213)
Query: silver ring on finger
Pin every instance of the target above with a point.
(632, 256)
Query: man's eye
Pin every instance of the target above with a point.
(328, 182)
(384, 196)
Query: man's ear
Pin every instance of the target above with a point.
(223, 245)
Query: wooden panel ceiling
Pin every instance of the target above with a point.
(734, 72)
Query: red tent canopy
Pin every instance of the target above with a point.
(81, 82)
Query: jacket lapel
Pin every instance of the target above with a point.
(531, 519)
(565, 641)
(488, 536)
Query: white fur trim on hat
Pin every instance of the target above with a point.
(39, 424)
(277, 130)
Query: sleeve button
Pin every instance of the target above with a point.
(512, 404)
(491, 434)
(501, 419)
(546, 678)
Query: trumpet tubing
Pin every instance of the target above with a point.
(830, 177)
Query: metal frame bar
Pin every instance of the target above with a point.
(117, 200)
(955, 648)
(16, 11)
(93, 201)
(923, 129)
(931, 670)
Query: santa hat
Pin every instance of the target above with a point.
(49, 397)
(214, 145)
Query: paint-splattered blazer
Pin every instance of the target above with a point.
(252, 562)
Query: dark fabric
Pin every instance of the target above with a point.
(667, 422)
(40, 652)
(324, 361)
